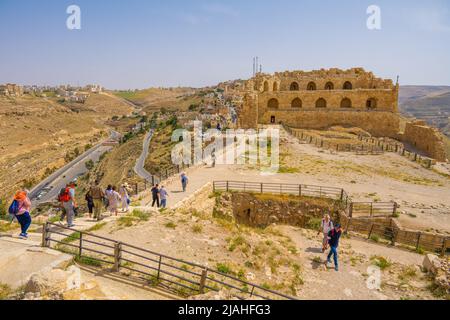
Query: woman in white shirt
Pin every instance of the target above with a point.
(325, 227)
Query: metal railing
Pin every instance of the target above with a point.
(184, 277)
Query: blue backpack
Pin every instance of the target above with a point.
(14, 208)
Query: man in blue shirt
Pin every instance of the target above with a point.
(333, 240)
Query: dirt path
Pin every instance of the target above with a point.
(421, 193)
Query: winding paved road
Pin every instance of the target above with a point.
(48, 189)
(140, 163)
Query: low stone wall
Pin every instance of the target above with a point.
(262, 210)
(426, 139)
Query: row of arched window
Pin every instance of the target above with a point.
(322, 103)
(310, 87)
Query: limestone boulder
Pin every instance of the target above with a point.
(54, 282)
(432, 263)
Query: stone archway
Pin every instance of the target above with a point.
(266, 86)
(329, 86)
(346, 103)
(348, 85)
(311, 86)
(273, 104)
(275, 86)
(371, 104)
(296, 103)
(321, 103)
(294, 86)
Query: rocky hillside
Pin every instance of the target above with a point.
(430, 103)
(39, 135)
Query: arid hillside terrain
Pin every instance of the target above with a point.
(39, 135)
(429, 103)
(154, 99)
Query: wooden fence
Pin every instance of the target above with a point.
(184, 277)
(371, 145)
(387, 229)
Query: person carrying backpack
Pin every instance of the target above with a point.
(325, 226)
(67, 201)
(20, 209)
(333, 240)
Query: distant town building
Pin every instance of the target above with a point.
(11, 89)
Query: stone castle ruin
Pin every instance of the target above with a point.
(324, 98)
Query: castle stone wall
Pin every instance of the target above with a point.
(425, 138)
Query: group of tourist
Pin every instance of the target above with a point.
(331, 236)
(96, 198)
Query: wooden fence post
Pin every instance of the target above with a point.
(419, 235)
(371, 210)
(80, 247)
(347, 228)
(395, 208)
(45, 236)
(117, 256)
(371, 230)
(300, 190)
(136, 188)
(203, 281)
(351, 210)
(262, 187)
(228, 187)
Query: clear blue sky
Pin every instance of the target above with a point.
(142, 43)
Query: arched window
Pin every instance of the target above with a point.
(255, 87)
(275, 86)
(329, 86)
(371, 104)
(311, 86)
(294, 86)
(346, 103)
(266, 86)
(321, 103)
(348, 85)
(296, 103)
(273, 104)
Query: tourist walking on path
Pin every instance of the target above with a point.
(123, 192)
(97, 195)
(163, 195)
(325, 227)
(155, 195)
(333, 240)
(90, 203)
(184, 181)
(20, 208)
(113, 200)
(67, 200)
(72, 186)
